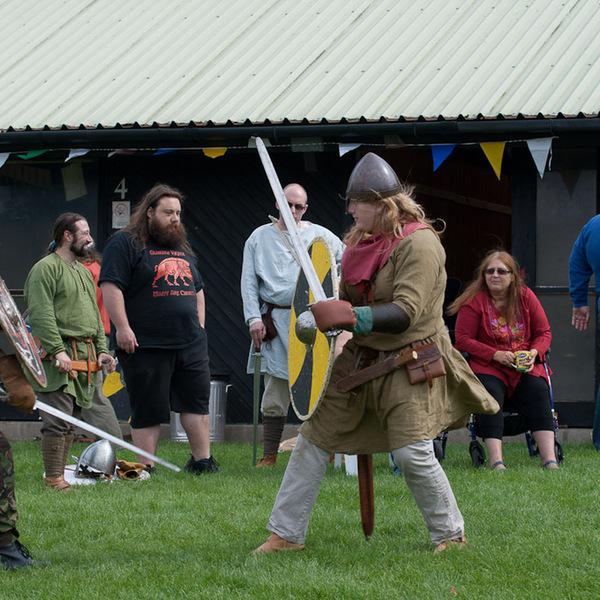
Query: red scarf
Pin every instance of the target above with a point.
(361, 264)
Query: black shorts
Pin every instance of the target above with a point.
(160, 380)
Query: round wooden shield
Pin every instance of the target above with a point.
(310, 352)
(19, 336)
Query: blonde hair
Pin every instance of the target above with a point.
(398, 210)
(510, 311)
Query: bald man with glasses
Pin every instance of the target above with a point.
(269, 273)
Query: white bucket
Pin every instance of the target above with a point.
(217, 409)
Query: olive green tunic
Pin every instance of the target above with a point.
(62, 304)
(388, 412)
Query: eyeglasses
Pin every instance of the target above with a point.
(297, 206)
(491, 271)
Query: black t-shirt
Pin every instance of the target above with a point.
(159, 286)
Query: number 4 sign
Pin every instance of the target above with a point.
(121, 209)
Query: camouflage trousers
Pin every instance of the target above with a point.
(8, 504)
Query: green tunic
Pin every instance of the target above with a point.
(389, 412)
(62, 304)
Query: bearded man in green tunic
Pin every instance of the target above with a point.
(61, 297)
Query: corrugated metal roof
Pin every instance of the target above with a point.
(108, 62)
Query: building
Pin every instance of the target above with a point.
(490, 108)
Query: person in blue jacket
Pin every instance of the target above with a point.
(583, 263)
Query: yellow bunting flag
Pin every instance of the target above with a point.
(214, 152)
(494, 152)
(112, 384)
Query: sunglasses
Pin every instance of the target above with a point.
(297, 206)
(491, 271)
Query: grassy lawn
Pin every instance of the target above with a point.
(532, 533)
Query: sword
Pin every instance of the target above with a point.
(256, 403)
(107, 436)
(303, 258)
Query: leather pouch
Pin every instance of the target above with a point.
(428, 365)
(267, 319)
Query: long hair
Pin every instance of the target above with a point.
(510, 311)
(398, 210)
(138, 225)
(64, 222)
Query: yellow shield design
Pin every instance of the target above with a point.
(310, 352)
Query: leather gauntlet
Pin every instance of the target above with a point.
(333, 314)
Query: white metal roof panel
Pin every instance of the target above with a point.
(108, 62)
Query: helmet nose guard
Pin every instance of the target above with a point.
(371, 179)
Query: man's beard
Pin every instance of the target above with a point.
(81, 251)
(169, 236)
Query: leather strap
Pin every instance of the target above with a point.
(350, 382)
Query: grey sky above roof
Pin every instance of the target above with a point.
(103, 63)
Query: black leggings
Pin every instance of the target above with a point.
(531, 399)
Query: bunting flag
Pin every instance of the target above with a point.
(3, 158)
(494, 152)
(165, 151)
(540, 149)
(441, 153)
(345, 148)
(127, 151)
(570, 178)
(32, 154)
(74, 153)
(214, 152)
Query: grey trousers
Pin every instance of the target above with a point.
(423, 474)
(276, 397)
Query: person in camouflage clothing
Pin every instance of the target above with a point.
(13, 554)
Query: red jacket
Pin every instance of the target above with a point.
(474, 334)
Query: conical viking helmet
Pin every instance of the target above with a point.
(372, 178)
(97, 459)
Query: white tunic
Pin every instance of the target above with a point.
(269, 273)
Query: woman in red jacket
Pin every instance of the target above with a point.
(497, 317)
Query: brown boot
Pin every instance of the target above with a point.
(58, 483)
(267, 461)
(276, 543)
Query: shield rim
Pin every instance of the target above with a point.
(330, 340)
(36, 370)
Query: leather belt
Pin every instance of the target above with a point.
(387, 365)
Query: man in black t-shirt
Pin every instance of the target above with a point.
(153, 293)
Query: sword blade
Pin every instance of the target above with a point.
(106, 436)
(301, 251)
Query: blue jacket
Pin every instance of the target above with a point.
(585, 262)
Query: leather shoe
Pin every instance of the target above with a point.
(267, 461)
(58, 483)
(460, 542)
(276, 543)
